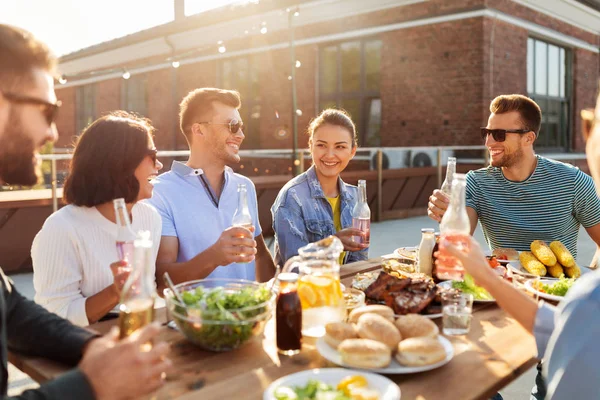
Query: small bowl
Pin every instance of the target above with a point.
(354, 298)
(203, 329)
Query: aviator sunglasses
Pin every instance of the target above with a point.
(153, 153)
(49, 110)
(234, 125)
(499, 135)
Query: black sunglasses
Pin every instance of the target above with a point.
(234, 125)
(50, 110)
(499, 135)
(153, 153)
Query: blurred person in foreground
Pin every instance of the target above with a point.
(106, 367)
(197, 199)
(75, 272)
(318, 203)
(566, 335)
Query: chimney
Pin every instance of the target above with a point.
(179, 7)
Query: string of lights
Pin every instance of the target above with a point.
(174, 60)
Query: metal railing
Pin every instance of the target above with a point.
(378, 152)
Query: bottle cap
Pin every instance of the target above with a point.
(289, 277)
(427, 230)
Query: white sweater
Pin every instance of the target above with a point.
(72, 254)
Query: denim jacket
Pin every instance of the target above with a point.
(302, 215)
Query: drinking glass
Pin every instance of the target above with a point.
(457, 309)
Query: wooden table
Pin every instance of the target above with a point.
(495, 352)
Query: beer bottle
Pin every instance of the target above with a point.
(125, 234)
(361, 214)
(288, 317)
(242, 216)
(450, 170)
(137, 299)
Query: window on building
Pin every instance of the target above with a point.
(349, 78)
(241, 74)
(85, 100)
(547, 71)
(135, 95)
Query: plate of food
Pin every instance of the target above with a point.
(480, 295)
(405, 294)
(548, 261)
(412, 355)
(550, 289)
(407, 253)
(332, 383)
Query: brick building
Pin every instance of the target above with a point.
(411, 72)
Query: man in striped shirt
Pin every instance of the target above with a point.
(521, 197)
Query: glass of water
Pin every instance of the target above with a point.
(457, 309)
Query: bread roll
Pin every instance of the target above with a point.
(376, 327)
(419, 351)
(414, 325)
(384, 311)
(365, 353)
(337, 332)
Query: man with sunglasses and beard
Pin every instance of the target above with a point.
(107, 368)
(521, 197)
(197, 199)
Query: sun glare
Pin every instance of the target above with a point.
(197, 6)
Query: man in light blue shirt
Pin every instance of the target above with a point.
(197, 199)
(566, 336)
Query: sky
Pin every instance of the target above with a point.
(70, 25)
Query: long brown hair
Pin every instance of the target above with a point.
(105, 159)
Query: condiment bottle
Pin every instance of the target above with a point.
(425, 251)
(288, 316)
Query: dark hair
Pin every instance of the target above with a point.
(332, 116)
(530, 112)
(199, 101)
(105, 158)
(20, 53)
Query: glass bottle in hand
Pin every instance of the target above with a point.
(137, 299)
(288, 317)
(242, 217)
(450, 171)
(125, 234)
(361, 215)
(456, 229)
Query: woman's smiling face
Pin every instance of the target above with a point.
(332, 149)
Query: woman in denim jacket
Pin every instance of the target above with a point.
(318, 203)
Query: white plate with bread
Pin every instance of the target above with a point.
(375, 341)
(384, 388)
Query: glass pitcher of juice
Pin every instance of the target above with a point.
(319, 286)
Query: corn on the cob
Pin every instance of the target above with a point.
(532, 264)
(556, 270)
(573, 272)
(563, 254)
(543, 253)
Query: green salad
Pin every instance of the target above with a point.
(468, 286)
(222, 318)
(558, 288)
(314, 389)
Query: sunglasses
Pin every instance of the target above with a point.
(589, 120)
(499, 135)
(153, 153)
(49, 110)
(234, 125)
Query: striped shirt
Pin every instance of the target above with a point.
(549, 205)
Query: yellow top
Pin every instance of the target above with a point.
(337, 219)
